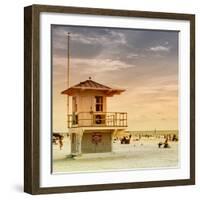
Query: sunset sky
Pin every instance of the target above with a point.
(144, 62)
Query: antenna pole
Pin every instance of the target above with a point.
(68, 39)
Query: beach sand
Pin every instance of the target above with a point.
(141, 154)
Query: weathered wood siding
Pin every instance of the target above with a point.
(86, 103)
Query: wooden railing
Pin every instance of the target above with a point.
(97, 119)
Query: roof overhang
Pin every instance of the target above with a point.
(108, 92)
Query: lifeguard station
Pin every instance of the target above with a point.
(90, 125)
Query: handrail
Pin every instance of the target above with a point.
(98, 119)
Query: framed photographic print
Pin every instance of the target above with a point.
(109, 99)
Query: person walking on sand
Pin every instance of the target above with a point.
(61, 142)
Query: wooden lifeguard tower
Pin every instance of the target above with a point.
(90, 125)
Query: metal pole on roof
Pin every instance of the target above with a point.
(68, 62)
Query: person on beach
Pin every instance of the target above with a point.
(160, 144)
(166, 145)
(61, 142)
(58, 139)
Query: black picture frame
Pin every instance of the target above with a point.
(32, 103)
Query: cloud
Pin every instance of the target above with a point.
(120, 38)
(83, 35)
(111, 37)
(100, 65)
(88, 39)
(132, 55)
(87, 42)
(159, 48)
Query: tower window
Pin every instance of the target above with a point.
(99, 103)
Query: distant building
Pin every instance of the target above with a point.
(90, 125)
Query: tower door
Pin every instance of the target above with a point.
(96, 142)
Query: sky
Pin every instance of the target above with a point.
(143, 62)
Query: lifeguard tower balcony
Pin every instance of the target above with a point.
(97, 119)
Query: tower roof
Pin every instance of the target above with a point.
(90, 85)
